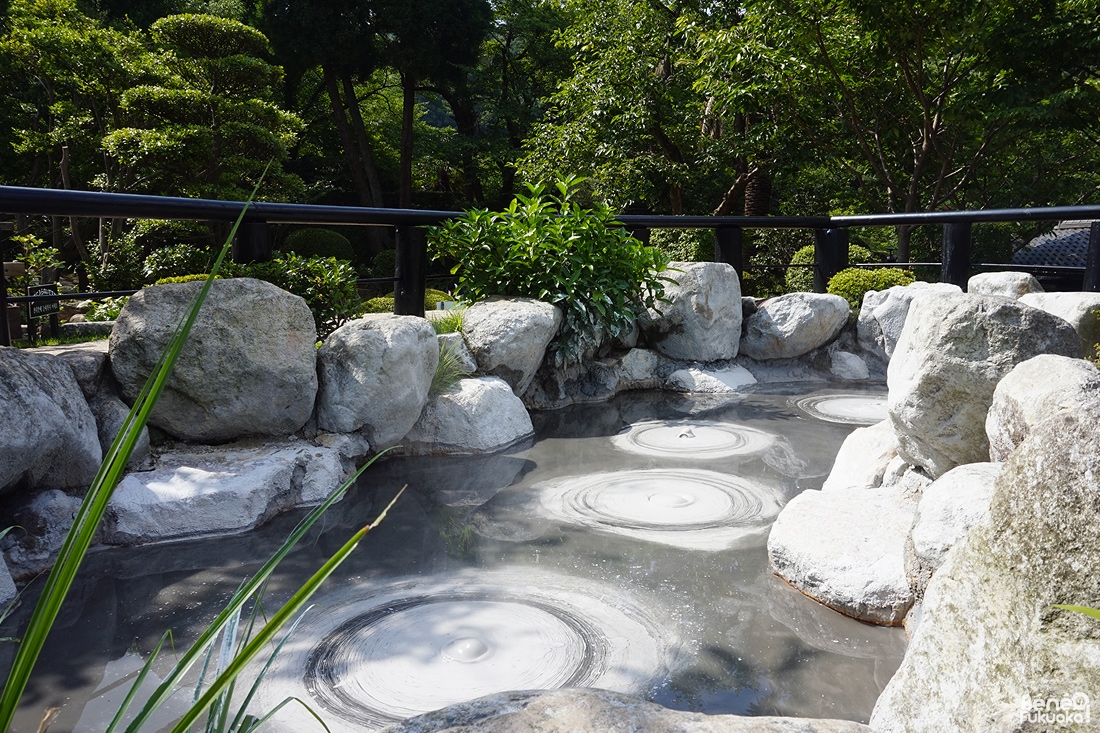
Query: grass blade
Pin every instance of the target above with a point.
(246, 590)
(284, 614)
(1094, 613)
(145, 668)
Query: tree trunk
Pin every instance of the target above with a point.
(408, 86)
(904, 235)
(377, 237)
(758, 195)
(362, 190)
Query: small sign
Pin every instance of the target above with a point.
(43, 307)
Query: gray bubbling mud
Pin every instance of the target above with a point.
(852, 409)
(687, 508)
(422, 644)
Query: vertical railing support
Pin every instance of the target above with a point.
(1091, 282)
(830, 256)
(956, 254)
(640, 233)
(5, 336)
(728, 248)
(252, 243)
(412, 265)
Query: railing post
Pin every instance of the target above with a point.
(5, 337)
(1091, 282)
(640, 233)
(956, 254)
(412, 260)
(830, 256)
(728, 248)
(252, 243)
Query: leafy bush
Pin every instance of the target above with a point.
(184, 279)
(106, 309)
(684, 245)
(853, 283)
(801, 279)
(546, 246)
(176, 260)
(38, 259)
(150, 250)
(384, 264)
(384, 303)
(326, 284)
(318, 243)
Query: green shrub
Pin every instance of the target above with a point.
(318, 243)
(326, 284)
(450, 322)
(106, 309)
(448, 371)
(684, 245)
(384, 263)
(176, 260)
(853, 283)
(184, 279)
(384, 303)
(546, 246)
(801, 279)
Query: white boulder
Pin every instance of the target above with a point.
(703, 320)
(478, 415)
(508, 337)
(248, 367)
(848, 366)
(48, 436)
(793, 324)
(1081, 310)
(1033, 391)
(949, 507)
(883, 312)
(950, 356)
(846, 549)
(863, 458)
(1005, 284)
(375, 374)
(199, 491)
(991, 649)
(712, 381)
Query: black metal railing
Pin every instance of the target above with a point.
(253, 241)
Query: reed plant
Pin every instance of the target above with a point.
(236, 650)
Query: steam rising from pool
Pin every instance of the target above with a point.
(687, 508)
(406, 648)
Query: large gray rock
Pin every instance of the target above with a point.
(714, 381)
(110, 413)
(42, 523)
(864, 458)
(375, 374)
(949, 507)
(88, 361)
(7, 585)
(951, 354)
(196, 491)
(48, 436)
(1081, 310)
(703, 320)
(248, 367)
(509, 336)
(1033, 391)
(883, 312)
(479, 415)
(597, 380)
(575, 710)
(1005, 284)
(793, 324)
(846, 549)
(990, 644)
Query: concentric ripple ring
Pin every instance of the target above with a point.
(682, 507)
(693, 439)
(856, 408)
(419, 645)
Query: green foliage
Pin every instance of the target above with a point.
(313, 242)
(326, 284)
(448, 370)
(384, 264)
(40, 261)
(801, 279)
(384, 303)
(684, 245)
(176, 260)
(183, 279)
(546, 246)
(106, 309)
(450, 322)
(853, 283)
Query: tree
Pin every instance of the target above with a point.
(210, 126)
(630, 116)
(915, 104)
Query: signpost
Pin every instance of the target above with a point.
(42, 308)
